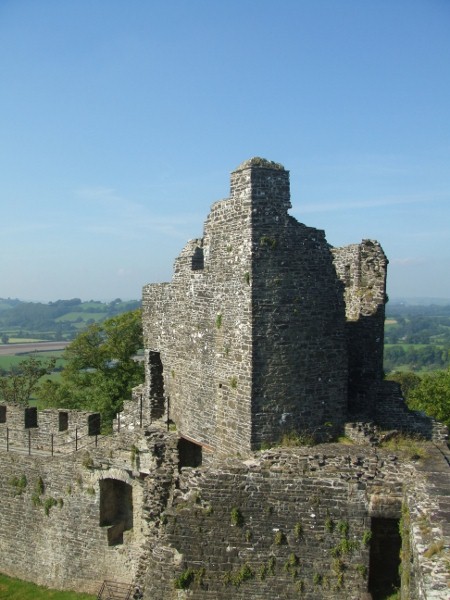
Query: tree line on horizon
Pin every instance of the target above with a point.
(417, 338)
(99, 373)
(59, 320)
(100, 369)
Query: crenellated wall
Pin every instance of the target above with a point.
(283, 522)
(52, 430)
(52, 530)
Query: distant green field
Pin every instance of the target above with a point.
(17, 336)
(22, 340)
(6, 362)
(406, 346)
(83, 315)
(94, 304)
(407, 369)
(60, 320)
(15, 589)
(55, 376)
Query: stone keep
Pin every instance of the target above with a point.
(265, 329)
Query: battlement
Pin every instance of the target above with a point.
(50, 430)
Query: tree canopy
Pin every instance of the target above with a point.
(407, 380)
(101, 369)
(432, 396)
(429, 393)
(22, 380)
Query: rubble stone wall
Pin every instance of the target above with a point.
(362, 269)
(287, 524)
(50, 517)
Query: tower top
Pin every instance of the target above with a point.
(261, 163)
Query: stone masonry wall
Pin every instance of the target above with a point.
(393, 413)
(298, 336)
(362, 269)
(284, 523)
(251, 331)
(287, 524)
(265, 330)
(201, 325)
(50, 517)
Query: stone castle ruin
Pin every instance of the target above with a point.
(266, 338)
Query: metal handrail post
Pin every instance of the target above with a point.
(168, 413)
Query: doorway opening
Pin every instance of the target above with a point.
(189, 453)
(156, 391)
(198, 260)
(385, 546)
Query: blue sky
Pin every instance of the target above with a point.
(120, 122)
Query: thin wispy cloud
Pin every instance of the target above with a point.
(369, 165)
(107, 197)
(407, 261)
(127, 219)
(96, 193)
(20, 228)
(380, 202)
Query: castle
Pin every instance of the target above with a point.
(266, 338)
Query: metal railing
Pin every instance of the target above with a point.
(136, 415)
(33, 442)
(115, 590)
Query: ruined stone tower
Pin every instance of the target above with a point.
(251, 341)
(264, 331)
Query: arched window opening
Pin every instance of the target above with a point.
(116, 509)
